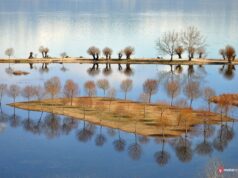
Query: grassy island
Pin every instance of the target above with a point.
(145, 119)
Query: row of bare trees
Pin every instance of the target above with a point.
(173, 87)
(170, 43)
(107, 52)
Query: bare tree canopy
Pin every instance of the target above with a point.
(107, 52)
(28, 92)
(94, 52)
(192, 39)
(150, 87)
(63, 55)
(9, 52)
(90, 88)
(167, 43)
(201, 51)
(3, 90)
(192, 90)
(39, 92)
(172, 89)
(230, 53)
(111, 93)
(126, 86)
(103, 84)
(208, 93)
(71, 89)
(128, 51)
(179, 51)
(222, 53)
(53, 86)
(14, 91)
(44, 51)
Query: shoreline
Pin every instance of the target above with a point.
(123, 61)
(128, 116)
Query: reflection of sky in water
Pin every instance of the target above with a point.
(73, 26)
(64, 155)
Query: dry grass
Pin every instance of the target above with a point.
(127, 115)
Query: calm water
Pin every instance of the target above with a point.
(44, 145)
(55, 146)
(74, 25)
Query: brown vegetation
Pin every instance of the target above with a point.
(175, 120)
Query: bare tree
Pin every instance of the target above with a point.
(111, 94)
(179, 51)
(3, 90)
(191, 38)
(13, 91)
(9, 52)
(222, 53)
(208, 93)
(53, 86)
(192, 91)
(90, 88)
(150, 87)
(172, 89)
(94, 52)
(44, 51)
(28, 92)
(201, 52)
(126, 86)
(144, 98)
(167, 43)
(120, 54)
(39, 92)
(230, 53)
(107, 52)
(63, 55)
(103, 84)
(71, 89)
(191, 52)
(128, 51)
(41, 50)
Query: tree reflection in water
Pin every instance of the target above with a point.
(86, 133)
(205, 147)
(135, 150)
(94, 70)
(224, 135)
(162, 157)
(128, 70)
(107, 70)
(52, 125)
(68, 125)
(100, 138)
(120, 143)
(228, 71)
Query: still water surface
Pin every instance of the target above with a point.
(45, 145)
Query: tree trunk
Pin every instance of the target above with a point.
(180, 56)
(191, 102)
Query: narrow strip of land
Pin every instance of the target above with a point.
(129, 116)
(123, 61)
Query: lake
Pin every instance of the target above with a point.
(35, 144)
(33, 147)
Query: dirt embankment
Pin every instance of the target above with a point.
(124, 61)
